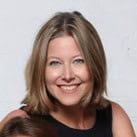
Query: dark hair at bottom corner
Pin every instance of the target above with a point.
(33, 127)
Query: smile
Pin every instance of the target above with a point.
(68, 87)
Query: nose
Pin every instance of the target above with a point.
(68, 73)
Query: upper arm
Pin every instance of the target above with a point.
(121, 126)
(15, 113)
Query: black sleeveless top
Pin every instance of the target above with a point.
(101, 128)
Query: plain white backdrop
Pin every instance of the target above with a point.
(115, 21)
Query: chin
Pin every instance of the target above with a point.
(69, 103)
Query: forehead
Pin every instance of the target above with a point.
(63, 45)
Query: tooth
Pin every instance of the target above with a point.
(68, 87)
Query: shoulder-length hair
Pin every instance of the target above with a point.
(72, 24)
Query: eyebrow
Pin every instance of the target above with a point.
(79, 55)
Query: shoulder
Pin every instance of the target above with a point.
(15, 113)
(121, 125)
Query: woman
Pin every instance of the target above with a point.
(66, 81)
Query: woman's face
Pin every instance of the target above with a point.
(67, 76)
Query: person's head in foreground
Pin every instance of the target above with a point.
(27, 127)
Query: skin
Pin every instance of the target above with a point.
(68, 81)
(121, 126)
(67, 75)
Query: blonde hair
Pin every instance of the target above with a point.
(72, 24)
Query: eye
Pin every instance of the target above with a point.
(54, 63)
(79, 61)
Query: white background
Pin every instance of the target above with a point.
(116, 22)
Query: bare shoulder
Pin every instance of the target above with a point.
(15, 113)
(122, 126)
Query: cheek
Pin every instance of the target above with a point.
(84, 74)
(51, 75)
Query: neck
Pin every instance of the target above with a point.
(75, 117)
